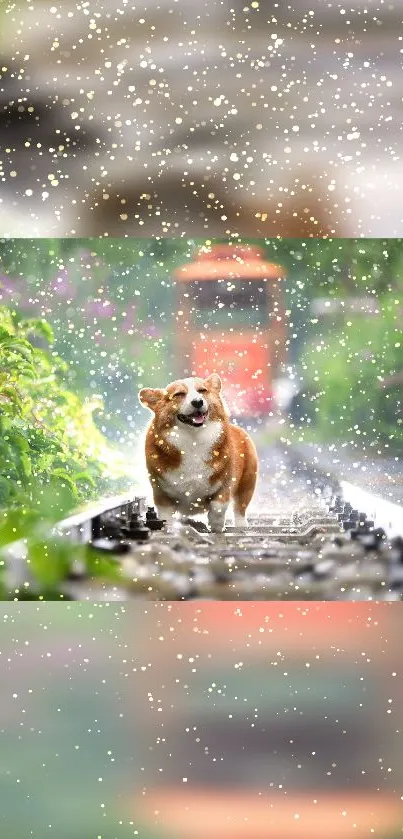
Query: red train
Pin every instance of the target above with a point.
(231, 320)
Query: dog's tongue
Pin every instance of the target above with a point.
(198, 419)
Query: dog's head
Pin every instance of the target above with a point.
(192, 402)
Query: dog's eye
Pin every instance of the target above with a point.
(180, 393)
(202, 390)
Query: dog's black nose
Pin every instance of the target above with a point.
(197, 403)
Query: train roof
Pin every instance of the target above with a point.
(229, 262)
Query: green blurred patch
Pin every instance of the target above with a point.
(349, 373)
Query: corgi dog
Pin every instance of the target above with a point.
(197, 461)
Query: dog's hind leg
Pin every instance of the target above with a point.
(246, 486)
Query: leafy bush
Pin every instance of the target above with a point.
(47, 433)
(52, 456)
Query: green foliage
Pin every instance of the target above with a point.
(46, 431)
(49, 556)
(349, 369)
(52, 456)
(110, 305)
(336, 267)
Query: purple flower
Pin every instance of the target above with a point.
(8, 290)
(63, 287)
(152, 330)
(100, 309)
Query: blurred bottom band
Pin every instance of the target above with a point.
(186, 720)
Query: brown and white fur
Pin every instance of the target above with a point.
(197, 461)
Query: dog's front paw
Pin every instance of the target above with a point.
(217, 523)
(167, 516)
(216, 517)
(217, 528)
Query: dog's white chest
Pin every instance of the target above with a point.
(191, 481)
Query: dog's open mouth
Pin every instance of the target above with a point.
(196, 419)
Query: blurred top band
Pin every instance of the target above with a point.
(200, 118)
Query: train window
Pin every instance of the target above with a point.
(229, 303)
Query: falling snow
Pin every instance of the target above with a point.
(189, 123)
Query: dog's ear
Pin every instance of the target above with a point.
(214, 382)
(150, 397)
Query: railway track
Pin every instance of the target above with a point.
(305, 541)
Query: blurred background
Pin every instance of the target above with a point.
(306, 331)
(177, 721)
(201, 119)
